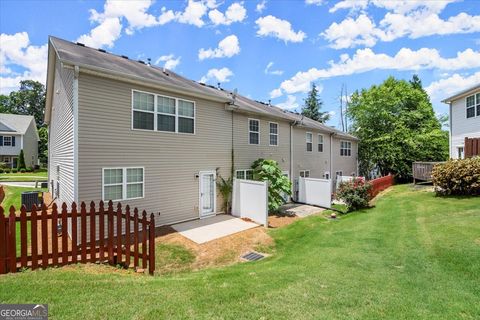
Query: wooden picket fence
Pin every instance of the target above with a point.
(472, 147)
(119, 238)
(381, 184)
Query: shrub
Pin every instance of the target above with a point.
(21, 160)
(2, 170)
(225, 187)
(23, 170)
(14, 171)
(7, 170)
(29, 169)
(355, 194)
(457, 177)
(278, 184)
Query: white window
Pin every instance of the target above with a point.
(123, 183)
(273, 134)
(345, 148)
(320, 143)
(244, 174)
(7, 141)
(253, 131)
(473, 102)
(305, 173)
(309, 140)
(161, 113)
(460, 153)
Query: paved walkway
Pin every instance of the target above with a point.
(300, 210)
(208, 229)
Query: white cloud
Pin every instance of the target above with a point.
(235, 13)
(220, 75)
(193, 13)
(16, 50)
(352, 32)
(451, 85)
(272, 72)
(366, 60)
(228, 47)
(275, 93)
(315, 2)
(105, 34)
(261, 6)
(170, 62)
(413, 19)
(289, 104)
(278, 28)
(353, 5)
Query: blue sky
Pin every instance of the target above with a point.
(265, 49)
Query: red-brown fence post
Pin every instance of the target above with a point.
(110, 232)
(119, 233)
(127, 235)
(44, 237)
(144, 239)
(151, 245)
(64, 234)
(34, 237)
(74, 233)
(12, 240)
(135, 238)
(101, 231)
(83, 231)
(54, 235)
(23, 237)
(3, 243)
(93, 233)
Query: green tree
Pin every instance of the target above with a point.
(396, 125)
(43, 145)
(278, 184)
(21, 161)
(312, 106)
(28, 100)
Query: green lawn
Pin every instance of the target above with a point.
(413, 256)
(40, 175)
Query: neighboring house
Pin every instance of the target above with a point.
(123, 130)
(464, 119)
(18, 132)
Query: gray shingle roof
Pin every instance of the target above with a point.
(69, 52)
(15, 123)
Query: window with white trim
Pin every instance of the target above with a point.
(273, 133)
(320, 143)
(305, 173)
(123, 183)
(7, 141)
(244, 174)
(162, 113)
(460, 153)
(253, 131)
(309, 140)
(472, 103)
(345, 148)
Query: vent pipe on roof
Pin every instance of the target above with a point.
(218, 86)
(269, 102)
(149, 61)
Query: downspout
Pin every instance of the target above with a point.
(292, 176)
(75, 133)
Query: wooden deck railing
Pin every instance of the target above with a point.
(472, 147)
(116, 241)
(423, 171)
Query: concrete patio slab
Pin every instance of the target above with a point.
(300, 210)
(208, 229)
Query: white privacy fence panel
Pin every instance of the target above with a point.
(315, 191)
(250, 200)
(341, 179)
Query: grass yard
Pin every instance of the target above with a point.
(413, 256)
(40, 175)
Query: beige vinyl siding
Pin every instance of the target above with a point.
(171, 161)
(11, 150)
(245, 154)
(346, 164)
(317, 162)
(30, 145)
(61, 134)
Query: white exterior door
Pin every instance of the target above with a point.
(208, 193)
